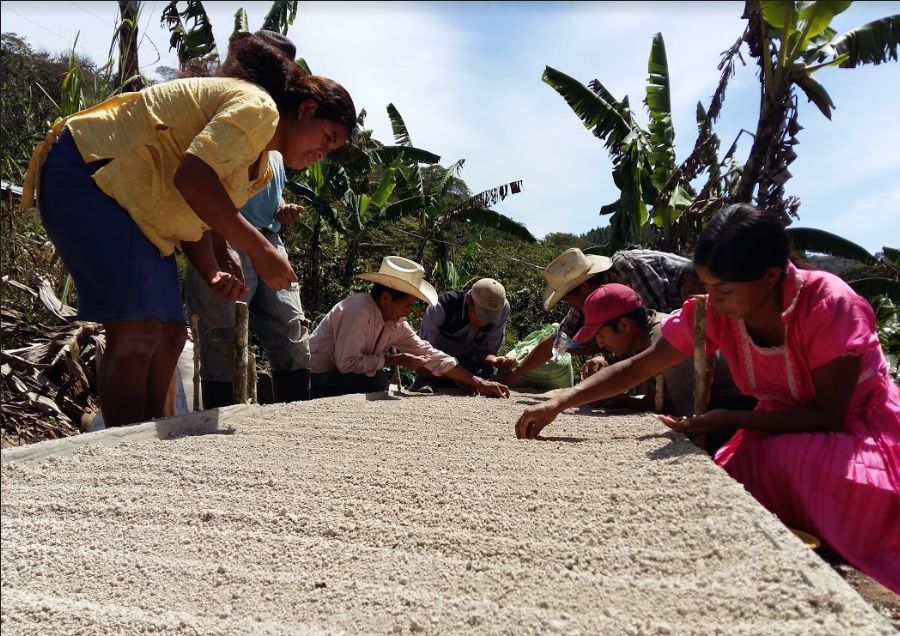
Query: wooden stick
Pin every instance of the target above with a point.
(195, 337)
(660, 393)
(251, 377)
(241, 320)
(700, 355)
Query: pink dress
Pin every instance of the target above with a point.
(844, 487)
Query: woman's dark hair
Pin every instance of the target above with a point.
(255, 58)
(280, 42)
(741, 243)
(640, 316)
(378, 289)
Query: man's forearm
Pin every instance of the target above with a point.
(200, 254)
(538, 356)
(459, 374)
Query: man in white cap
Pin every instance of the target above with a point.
(468, 325)
(574, 275)
(348, 347)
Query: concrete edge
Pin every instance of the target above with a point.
(220, 420)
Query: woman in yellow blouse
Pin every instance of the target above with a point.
(119, 186)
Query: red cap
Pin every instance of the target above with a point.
(604, 304)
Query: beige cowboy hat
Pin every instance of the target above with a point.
(568, 271)
(403, 275)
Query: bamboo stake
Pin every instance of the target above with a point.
(241, 319)
(251, 377)
(195, 330)
(700, 355)
(660, 393)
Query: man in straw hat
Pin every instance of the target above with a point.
(468, 325)
(348, 346)
(574, 275)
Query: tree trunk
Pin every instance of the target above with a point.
(128, 46)
(772, 111)
(351, 259)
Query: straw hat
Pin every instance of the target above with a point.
(403, 275)
(568, 271)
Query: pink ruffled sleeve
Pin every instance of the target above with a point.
(838, 325)
(678, 329)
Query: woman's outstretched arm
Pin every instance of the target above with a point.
(607, 382)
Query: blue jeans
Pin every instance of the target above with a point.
(276, 317)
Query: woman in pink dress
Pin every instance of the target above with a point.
(822, 448)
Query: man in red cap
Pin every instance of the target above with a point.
(618, 321)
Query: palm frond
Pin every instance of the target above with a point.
(281, 16)
(871, 43)
(320, 204)
(662, 132)
(194, 42)
(807, 239)
(486, 218)
(241, 24)
(491, 197)
(409, 155)
(875, 286)
(446, 180)
(604, 119)
(401, 134)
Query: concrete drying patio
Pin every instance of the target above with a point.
(419, 514)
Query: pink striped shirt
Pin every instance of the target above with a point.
(353, 337)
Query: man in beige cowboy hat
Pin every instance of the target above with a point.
(348, 347)
(574, 275)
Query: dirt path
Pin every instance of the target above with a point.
(415, 515)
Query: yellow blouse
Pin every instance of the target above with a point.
(225, 122)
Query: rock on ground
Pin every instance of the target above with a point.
(420, 514)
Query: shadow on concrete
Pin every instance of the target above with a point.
(567, 440)
(678, 446)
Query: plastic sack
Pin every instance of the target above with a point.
(552, 374)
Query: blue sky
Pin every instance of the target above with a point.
(467, 79)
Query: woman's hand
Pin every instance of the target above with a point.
(698, 424)
(273, 267)
(535, 418)
(504, 362)
(228, 259)
(289, 213)
(227, 285)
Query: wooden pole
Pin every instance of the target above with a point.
(700, 370)
(660, 393)
(241, 320)
(251, 377)
(195, 330)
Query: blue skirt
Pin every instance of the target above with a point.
(119, 274)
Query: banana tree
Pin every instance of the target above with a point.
(876, 278)
(440, 204)
(351, 191)
(643, 160)
(792, 41)
(880, 274)
(192, 34)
